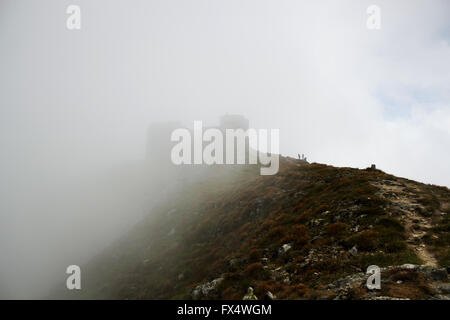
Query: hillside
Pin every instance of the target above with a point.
(309, 232)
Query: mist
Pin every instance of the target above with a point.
(76, 105)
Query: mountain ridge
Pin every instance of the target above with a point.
(292, 235)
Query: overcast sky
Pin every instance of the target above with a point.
(80, 101)
(338, 92)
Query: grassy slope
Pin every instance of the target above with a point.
(245, 218)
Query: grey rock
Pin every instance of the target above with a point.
(196, 293)
(285, 248)
(437, 274)
(205, 289)
(409, 266)
(233, 262)
(443, 288)
(441, 297)
(269, 296)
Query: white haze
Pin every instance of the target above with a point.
(75, 105)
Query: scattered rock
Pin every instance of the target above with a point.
(443, 288)
(269, 296)
(285, 248)
(436, 274)
(205, 289)
(316, 222)
(387, 298)
(408, 266)
(233, 262)
(438, 279)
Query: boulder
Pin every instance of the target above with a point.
(353, 251)
(205, 289)
(269, 296)
(285, 248)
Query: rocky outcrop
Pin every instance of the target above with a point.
(204, 290)
(407, 281)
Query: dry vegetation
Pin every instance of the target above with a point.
(235, 227)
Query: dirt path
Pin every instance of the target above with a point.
(416, 226)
